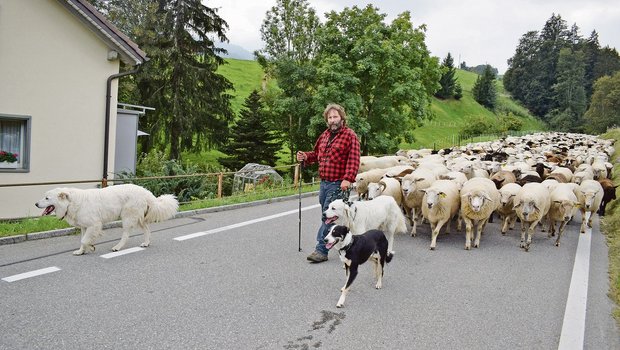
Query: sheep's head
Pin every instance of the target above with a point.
(476, 200)
(433, 197)
(588, 197)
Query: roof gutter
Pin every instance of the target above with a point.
(106, 137)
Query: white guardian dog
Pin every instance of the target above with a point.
(381, 213)
(91, 208)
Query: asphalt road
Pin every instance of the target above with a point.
(241, 283)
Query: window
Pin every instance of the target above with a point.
(14, 139)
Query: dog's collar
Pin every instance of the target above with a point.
(352, 206)
(347, 246)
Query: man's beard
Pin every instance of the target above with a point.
(335, 126)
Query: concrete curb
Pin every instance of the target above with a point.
(182, 214)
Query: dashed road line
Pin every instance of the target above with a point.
(29, 274)
(122, 252)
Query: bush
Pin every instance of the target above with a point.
(155, 164)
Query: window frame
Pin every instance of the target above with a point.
(25, 154)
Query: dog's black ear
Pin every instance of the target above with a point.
(63, 195)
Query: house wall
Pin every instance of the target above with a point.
(53, 69)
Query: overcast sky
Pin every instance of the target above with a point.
(476, 31)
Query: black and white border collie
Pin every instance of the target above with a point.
(355, 250)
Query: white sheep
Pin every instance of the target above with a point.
(581, 176)
(388, 187)
(479, 199)
(364, 178)
(457, 176)
(507, 194)
(563, 206)
(381, 162)
(590, 195)
(532, 205)
(412, 198)
(440, 204)
(566, 172)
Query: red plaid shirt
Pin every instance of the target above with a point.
(338, 159)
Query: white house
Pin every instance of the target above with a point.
(58, 58)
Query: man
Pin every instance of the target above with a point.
(337, 151)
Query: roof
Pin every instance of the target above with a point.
(128, 50)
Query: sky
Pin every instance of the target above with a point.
(475, 31)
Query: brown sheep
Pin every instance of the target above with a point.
(609, 194)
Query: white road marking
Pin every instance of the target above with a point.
(574, 324)
(34, 273)
(245, 223)
(122, 252)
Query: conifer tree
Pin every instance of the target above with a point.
(251, 140)
(484, 89)
(448, 78)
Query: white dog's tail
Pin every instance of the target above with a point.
(162, 208)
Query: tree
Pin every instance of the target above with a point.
(192, 106)
(251, 140)
(448, 78)
(484, 90)
(569, 91)
(288, 31)
(383, 74)
(604, 111)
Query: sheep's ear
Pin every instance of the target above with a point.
(465, 195)
(516, 205)
(576, 204)
(63, 196)
(422, 190)
(420, 179)
(486, 196)
(442, 195)
(558, 202)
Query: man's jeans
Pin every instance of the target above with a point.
(328, 192)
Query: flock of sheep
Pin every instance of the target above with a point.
(542, 178)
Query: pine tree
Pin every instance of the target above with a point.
(251, 140)
(484, 89)
(448, 78)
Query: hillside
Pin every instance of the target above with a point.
(451, 115)
(448, 115)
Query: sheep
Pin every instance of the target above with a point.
(590, 195)
(457, 176)
(479, 199)
(505, 210)
(440, 204)
(503, 177)
(609, 194)
(381, 162)
(364, 178)
(568, 174)
(563, 206)
(580, 176)
(386, 186)
(412, 198)
(531, 205)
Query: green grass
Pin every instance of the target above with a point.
(449, 116)
(38, 224)
(245, 76)
(611, 228)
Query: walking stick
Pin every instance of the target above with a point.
(301, 177)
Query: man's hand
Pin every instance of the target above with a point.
(344, 185)
(301, 156)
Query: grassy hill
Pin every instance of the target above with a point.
(449, 116)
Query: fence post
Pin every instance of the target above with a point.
(296, 177)
(220, 180)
